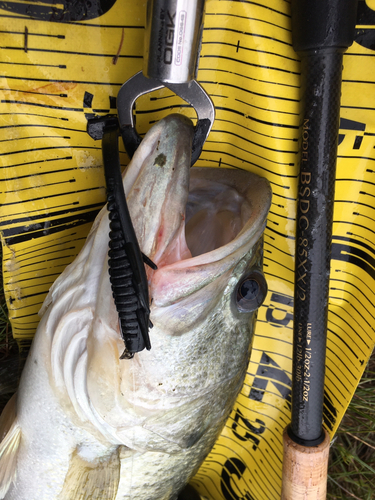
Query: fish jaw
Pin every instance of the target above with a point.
(157, 183)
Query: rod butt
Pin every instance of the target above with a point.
(305, 470)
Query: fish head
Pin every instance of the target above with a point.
(203, 229)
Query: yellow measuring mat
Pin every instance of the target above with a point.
(62, 65)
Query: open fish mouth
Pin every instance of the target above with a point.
(190, 220)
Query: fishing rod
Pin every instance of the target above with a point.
(322, 30)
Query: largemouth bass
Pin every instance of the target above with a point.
(87, 425)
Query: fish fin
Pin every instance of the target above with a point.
(10, 436)
(97, 480)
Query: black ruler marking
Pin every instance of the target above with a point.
(241, 75)
(249, 49)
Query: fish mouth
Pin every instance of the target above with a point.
(192, 221)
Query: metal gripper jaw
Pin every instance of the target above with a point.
(190, 92)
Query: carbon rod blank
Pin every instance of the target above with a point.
(322, 30)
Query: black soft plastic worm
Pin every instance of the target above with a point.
(126, 261)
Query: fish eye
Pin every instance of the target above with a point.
(251, 292)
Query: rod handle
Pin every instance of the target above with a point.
(305, 470)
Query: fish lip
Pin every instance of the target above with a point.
(157, 183)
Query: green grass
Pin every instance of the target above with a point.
(352, 456)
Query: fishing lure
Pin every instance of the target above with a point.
(126, 261)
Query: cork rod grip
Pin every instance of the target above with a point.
(305, 470)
